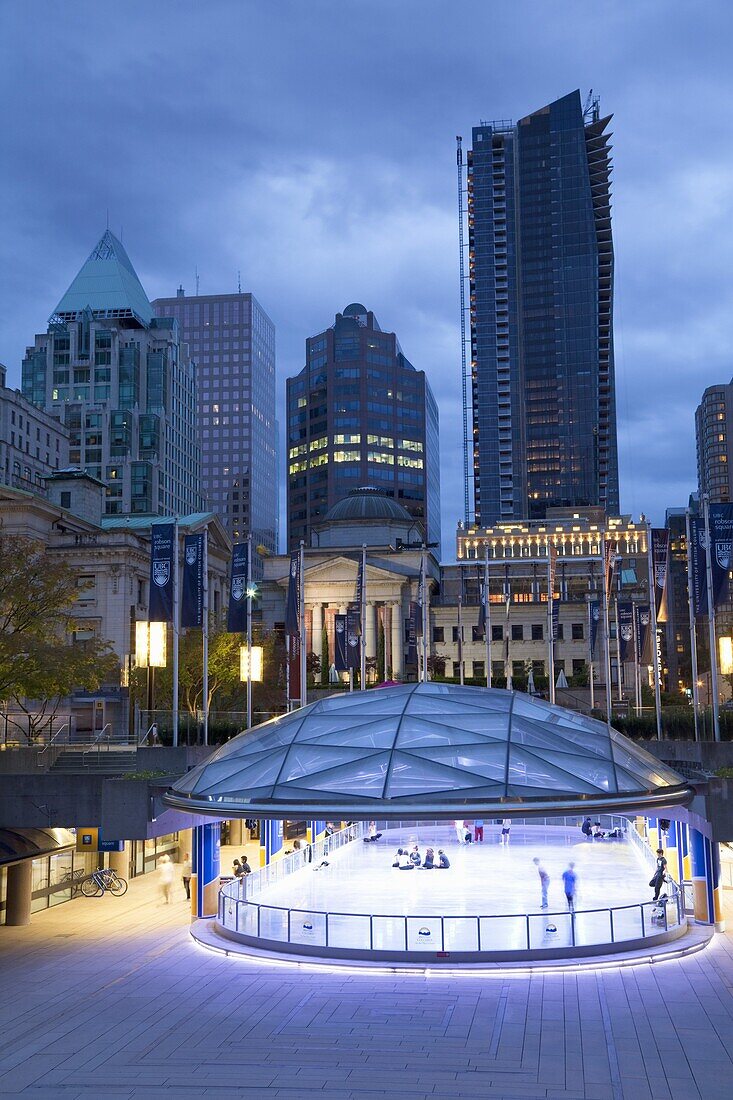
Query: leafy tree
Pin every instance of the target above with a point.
(40, 660)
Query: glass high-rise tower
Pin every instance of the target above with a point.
(541, 314)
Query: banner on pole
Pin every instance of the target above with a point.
(237, 613)
(341, 662)
(609, 564)
(192, 589)
(555, 620)
(360, 580)
(162, 543)
(412, 634)
(643, 613)
(292, 608)
(626, 631)
(353, 637)
(660, 561)
(698, 561)
(293, 645)
(721, 558)
(594, 617)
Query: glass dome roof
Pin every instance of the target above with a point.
(421, 750)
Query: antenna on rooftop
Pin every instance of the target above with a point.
(239, 282)
(197, 281)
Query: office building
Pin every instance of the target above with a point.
(713, 432)
(121, 381)
(541, 314)
(232, 341)
(359, 414)
(32, 443)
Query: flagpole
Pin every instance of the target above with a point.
(205, 635)
(590, 657)
(693, 627)
(176, 629)
(249, 630)
(424, 614)
(637, 657)
(606, 629)
(362, 616)
(550, 624)
(655, 651)
(711, 617)
(487, 616)
(301, 623)
(460, 634)
(507, 654)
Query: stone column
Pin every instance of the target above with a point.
(120, 861)
(370, 630)
(316, 643)
(236, 833)
(185, 844)
(18, 903)
(397, 646)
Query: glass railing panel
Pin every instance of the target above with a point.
(549, 929)
(273, 923)
(349, 930)
(627, 923)
(461, 933)
(503, 933)
(424, 934)
(389, 933)
(307, 927)
(592, 927)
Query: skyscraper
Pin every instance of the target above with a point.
(360, 414)
(713, 435)
(121, 381)
(232, 341)
(541, 286)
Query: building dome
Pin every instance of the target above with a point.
(367, 503)
(427, 750)
(356, 309)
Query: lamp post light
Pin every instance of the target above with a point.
(151, 652)
(250, 671)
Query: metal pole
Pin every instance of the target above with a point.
(656, 653)
(606, 630)
(176, 629)
(590, 659)
(460, 635)
(362, 616)
(618, 652)
(711, 618)
(550, 632)
(205, 636)
(249, 630)
(425, 614)
(637, 671)
(693, 627)
(487, 617)
(303, 655)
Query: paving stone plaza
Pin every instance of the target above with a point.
(111, 997)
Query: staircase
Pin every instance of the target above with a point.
(96, 760)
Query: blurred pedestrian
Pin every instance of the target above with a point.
(505, 827)
(186, 874)
(478, 831)
(544, 881)
(166, 878)
(570, 881)
(460, 830)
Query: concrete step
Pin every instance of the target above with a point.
(104, 760)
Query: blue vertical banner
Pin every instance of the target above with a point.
(626, 631)
(359, 596)
(412, 634)
(237, 612)
(192, 589)
(162, 541)
(341, 662)
(207, 862)
(721, 556)
(594, 617)
(274, 839)
(643, 613)
(292, 607)
(660, 562)
(353, 649)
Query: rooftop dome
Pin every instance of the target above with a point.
(424, 750)
(367, 503)
(356, 309)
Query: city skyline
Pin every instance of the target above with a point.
(363, 199)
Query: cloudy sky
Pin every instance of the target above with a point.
(310, 144)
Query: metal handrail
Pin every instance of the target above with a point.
(145, 736)
(44, 750)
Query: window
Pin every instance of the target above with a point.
(518, 670)
(497, 633)
(560, 632)
(538, 632)
(517, 633)
(65, 497)
(477, 634)
(577, 632)
(578, 666)
(497, 670)
(438, 634)
(455, 633)
(478, 670)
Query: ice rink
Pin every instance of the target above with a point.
(486, 878)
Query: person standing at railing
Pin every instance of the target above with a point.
(660, 873)
(246, 869)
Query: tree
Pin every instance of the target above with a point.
(40, 660)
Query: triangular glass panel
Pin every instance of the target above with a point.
(221, 771)
(529, 770)
(309, 760)
(424, 731)
(427, 704)
(367, 735)
(532, 734)
(599, 773)
(415, 775)
(365, 776)
(484, 761)
(324, 723)
(263, 771)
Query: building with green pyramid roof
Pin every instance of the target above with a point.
(122, 381)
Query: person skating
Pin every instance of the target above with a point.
(505, 827)
(544, 881)
(657, 881)
(570, 882)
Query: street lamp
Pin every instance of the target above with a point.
(150, 652)
(250, 671)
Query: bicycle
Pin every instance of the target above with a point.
(73, 879)
(99, 882)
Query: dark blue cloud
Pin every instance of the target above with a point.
(311, 147)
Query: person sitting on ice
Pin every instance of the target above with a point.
(598, 833)
(415, 856)
(397, 857)
(372, 836)
(429, 861)
(443, 861)
(406, 863)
